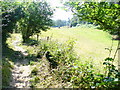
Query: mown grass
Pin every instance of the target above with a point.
(90, 42)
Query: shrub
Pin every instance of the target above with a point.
(66, 70)
(57, 53)
(6, 72)
(34, 71)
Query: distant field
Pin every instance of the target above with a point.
(90, 43)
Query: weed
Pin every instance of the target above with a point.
(34, 71)
(6, 72)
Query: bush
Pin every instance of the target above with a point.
(66, 70)
(57, 53)
(84, 76)
(6, 72)
(34, 71)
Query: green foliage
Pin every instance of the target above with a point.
(84, 76)
(37, 18)
(75, 21)
(11, 13)
(34, 71)
(6, 72)
(59, 53)
(105, 14)
(59, 23)
(111, 68)
(26, 17)
(32, 62)
(31, 42)
(68, 72)
(34, 81)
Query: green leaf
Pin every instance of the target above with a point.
(109, 59)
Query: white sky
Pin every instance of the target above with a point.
(59, 13)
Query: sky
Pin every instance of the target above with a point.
(59, 13)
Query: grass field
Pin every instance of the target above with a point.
(90, 42)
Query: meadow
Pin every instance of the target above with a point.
(40, 52)
(91, 44)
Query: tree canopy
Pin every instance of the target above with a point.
(105, 14)
(29, 18)
(37, 18)
(59, 23)
(11, 13)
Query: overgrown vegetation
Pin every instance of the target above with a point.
(90, 43)
(6, 72)
(64, 70)
(56, 52)
(26, 17)
(56, 64)
(64, 67)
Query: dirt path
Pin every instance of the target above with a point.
(21, 71)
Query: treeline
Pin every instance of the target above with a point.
(73, 22)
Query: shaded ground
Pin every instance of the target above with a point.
(21, 71)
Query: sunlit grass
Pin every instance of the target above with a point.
(90, 43)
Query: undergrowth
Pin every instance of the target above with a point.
(63, 70)
(6, 72)
(64, 67)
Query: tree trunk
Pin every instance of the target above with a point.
(25, 38)
(37, 37)
(119, 59)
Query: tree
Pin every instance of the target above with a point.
(75, 21)
(105, 14)
(37, 18)
(11, 13)
(59, 23)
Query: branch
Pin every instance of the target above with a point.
(111, 48)
(117, 49)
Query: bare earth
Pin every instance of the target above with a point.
(20, 73)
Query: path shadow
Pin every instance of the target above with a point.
(18, 58)
(31, 42)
